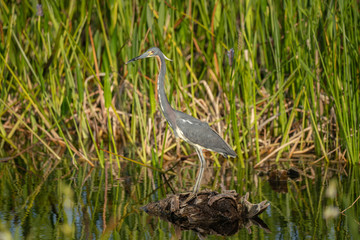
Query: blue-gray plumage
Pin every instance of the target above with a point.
(192, 130)
(200, 133)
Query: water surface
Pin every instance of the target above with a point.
(56, 201)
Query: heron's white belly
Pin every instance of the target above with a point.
(181, 135)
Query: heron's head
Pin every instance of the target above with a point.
(151, 52)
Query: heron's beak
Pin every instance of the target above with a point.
(145, 55)
(134, 59)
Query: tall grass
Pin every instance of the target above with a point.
(295, 66)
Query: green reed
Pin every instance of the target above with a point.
(295, 65)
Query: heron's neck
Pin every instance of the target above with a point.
(165, 106)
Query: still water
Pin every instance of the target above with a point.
(58, 201)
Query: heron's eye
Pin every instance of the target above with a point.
(151, 53)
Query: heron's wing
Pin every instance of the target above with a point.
(200, 133)
(181, 115)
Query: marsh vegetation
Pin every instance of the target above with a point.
(83, 144)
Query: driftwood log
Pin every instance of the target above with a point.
(209, 212)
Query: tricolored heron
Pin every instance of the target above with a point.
(191, 130)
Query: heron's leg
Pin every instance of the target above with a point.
(201, 171)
